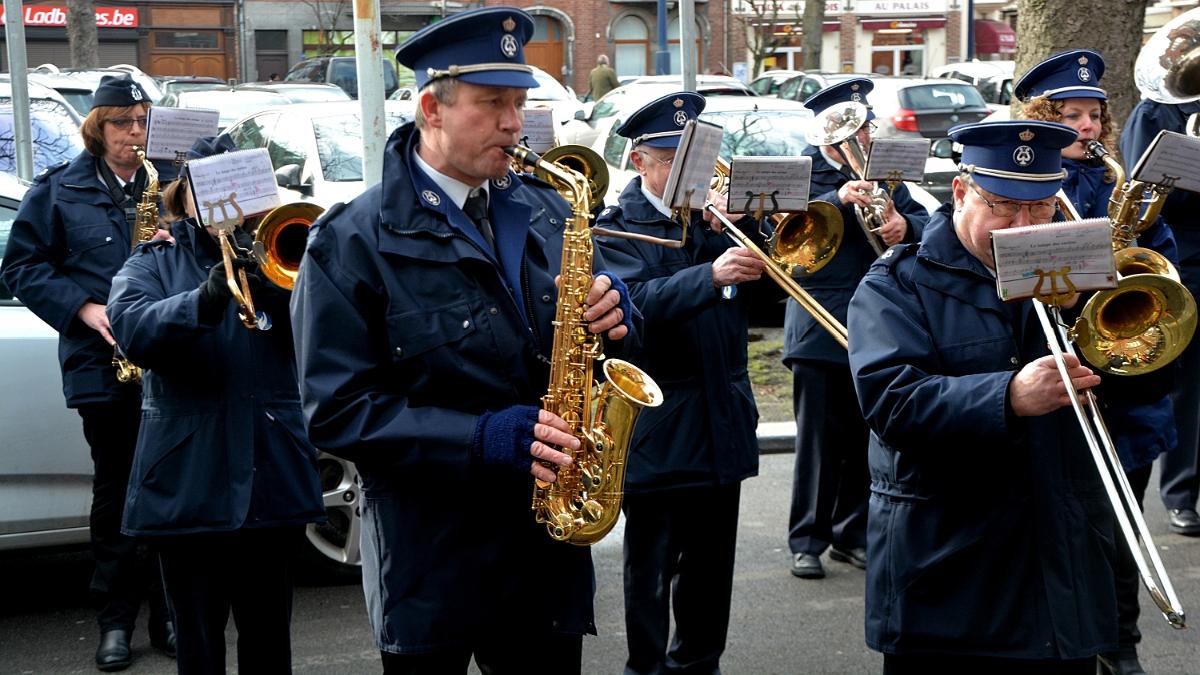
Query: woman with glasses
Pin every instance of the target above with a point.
(72, 233)
(1065, 88)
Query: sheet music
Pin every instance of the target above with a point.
(1172, 159)
(245, 173)
(786, 177)
(1083, 247)
(898, 159)
(176, 129)
(538, 130)
(693, 166)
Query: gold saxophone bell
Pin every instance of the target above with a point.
(280, 241)
(584, 161)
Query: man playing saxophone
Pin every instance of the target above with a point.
(73, 232)
(829, 489)
(687, 458)
(423, 326)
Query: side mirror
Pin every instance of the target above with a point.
(943, 148)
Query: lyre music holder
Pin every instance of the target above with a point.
(1054, 297)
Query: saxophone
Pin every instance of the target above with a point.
(145, 225)
(583, 504)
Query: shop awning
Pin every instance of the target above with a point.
(994, 37)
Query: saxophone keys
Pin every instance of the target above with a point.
(593, 511)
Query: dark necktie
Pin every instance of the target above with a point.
(476, 209)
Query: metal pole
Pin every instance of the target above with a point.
(662, 58)
(14, 37)
(970, 30)
(369, 63)
(688, 64)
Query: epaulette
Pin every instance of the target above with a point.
(329, 214)
(609, 213)
(886, 263)
(147, 246)
(49, 171)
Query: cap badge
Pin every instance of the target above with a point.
(854, 87)
(1083, 60)
(135, 92)
(509, 25)
(681, 118)
(856, 97)
(1026, 135)
(1023, 155)
(431, 197)
(508, 45)
(502, 183)
(678, 103)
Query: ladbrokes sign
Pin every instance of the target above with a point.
(55, 15)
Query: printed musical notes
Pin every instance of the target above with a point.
(172, 130)
(1172, 160)
(898, 159)
(538, 131)
(786, 179)
(246, 173)
(1033, 258)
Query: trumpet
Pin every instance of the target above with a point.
(837, 127)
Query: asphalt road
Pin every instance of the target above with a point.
(780, 625)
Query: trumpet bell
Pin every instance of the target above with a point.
(280, 241)
(805, 242)
(1167, 69)
(584, 161)
(1138, 327)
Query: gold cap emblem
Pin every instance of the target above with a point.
(1026, 135)
(854, 87)
(1083, 60)
(678, 103)
(509, 25)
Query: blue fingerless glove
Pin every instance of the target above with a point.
(625, 305)
(503, 438)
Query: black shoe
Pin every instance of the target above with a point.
(162, 638)
(807, 566)
(1184, 521)
(1119, 664)
(113, 653)
(854, 556)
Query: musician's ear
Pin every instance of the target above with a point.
(430, 107)
(958, 192)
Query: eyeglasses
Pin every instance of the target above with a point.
(1006, 209)
(662, 162)
(872, 128)
(124, 123)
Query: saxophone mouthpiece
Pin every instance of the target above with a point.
(523, 154)
(1095, 149)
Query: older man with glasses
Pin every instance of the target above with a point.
(72, 233)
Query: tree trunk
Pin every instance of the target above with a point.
(81, 33)
(814, 20)
(1111, 27)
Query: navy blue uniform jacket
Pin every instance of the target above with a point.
(406, 332)
(833, 285)
(222, 443)
(704, 432)
(987, 534)
(1137, 410)
(67, 242)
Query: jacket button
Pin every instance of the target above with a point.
(553, 221)
(108, 239)
(493, 311)
(546, 298)
(1014, 360)
(466, 325)
(399, 351)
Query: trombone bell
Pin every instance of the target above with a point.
(280, 241)
(1138, 327)
(805, 242)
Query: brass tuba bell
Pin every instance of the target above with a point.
(1167, 69)
(280, 240)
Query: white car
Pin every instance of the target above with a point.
(993, 79)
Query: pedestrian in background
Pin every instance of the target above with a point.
(602, 79)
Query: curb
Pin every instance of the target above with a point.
(776, 437)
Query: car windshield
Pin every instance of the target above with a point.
(56, 136)
(339, 144)
(760, 133)
(548, 89)
(951, 95)
(231, 105)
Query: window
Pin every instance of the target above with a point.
(194, 39)
(933, 96)
(673, 30)
(614, 147)
(55, 136)
(545, 29)
(632, 40)
(254, 132)
(339, 144)
(270, 40)
(8, 213)
(790, 89)
(808, 88)
(287, 144)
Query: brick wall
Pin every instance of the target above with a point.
(953, 36)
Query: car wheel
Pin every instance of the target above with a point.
(333, 546)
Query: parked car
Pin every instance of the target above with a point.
(299, 92)
(174, 85)
(316, 148)
(768, 83)
(229, 102)
(550, 93)
(342, 71)
(38, 92)
(89, 79)
(993, 79)
(918, 107)
(55, 136)
(595, 119)
(45, 465)
(801, 87)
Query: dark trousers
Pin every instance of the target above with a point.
(553, 653)
(830, 485)
(924, 664)
(122, 576)
(1179, 477)
(679, 548)
(248, 572)
(1129, 582)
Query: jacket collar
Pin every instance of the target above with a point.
(637, 208)
(82, 173)
(820, 164)
(940, 245)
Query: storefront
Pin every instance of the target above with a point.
(46, 35)
(900, 47)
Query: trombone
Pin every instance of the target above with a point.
(794, 246)
(1112, 475)
(837, 127)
